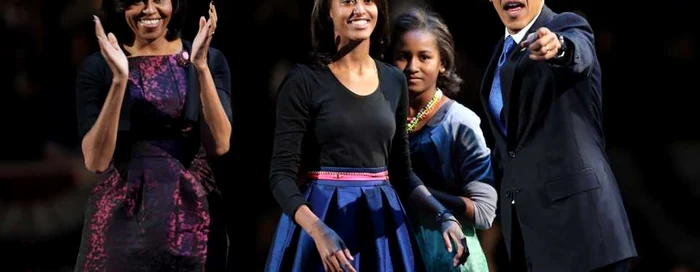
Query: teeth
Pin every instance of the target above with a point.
(359, 22)
(511, 5)
(150, 22)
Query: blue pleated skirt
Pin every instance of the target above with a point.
(366, 214)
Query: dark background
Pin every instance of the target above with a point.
(648, 54)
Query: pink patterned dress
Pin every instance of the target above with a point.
(151, 210)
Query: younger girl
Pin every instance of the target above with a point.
(448, 150)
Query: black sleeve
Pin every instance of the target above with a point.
(400, 170)
(292, 119)
(90, 92)
(222, 79)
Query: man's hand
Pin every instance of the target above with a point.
(543, 44)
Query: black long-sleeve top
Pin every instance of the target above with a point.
(321, 123)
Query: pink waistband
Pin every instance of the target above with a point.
(328, 175)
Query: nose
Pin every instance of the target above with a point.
(150, 8)
(359, 8)
(411, 66)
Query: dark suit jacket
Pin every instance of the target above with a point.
(553, 161)
(95, 78)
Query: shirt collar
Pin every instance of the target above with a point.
(517, 37)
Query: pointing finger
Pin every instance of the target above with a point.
(528, 40)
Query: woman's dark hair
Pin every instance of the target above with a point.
(323, 36)
(114, 20)
(422, 19)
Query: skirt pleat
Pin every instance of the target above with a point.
(367, 215)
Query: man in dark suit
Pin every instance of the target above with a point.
(560, 205)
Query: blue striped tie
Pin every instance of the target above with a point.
(496, 97)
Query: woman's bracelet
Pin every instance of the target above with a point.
(453, 220)
(442, 218)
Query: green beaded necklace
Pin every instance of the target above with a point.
(413, 121)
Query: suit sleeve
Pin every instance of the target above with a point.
(578, 35)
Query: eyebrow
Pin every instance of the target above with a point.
(421, 51)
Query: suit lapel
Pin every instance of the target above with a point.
(510, 81)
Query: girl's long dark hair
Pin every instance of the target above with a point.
(323, 41)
